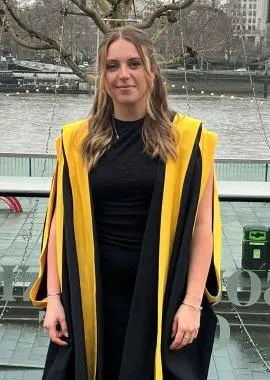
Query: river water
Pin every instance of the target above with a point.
(241, 123)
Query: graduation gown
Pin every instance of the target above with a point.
(162, 273)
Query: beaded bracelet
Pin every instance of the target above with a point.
(53, 294)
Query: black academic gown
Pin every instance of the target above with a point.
(162, 273)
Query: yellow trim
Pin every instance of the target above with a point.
(186, 129)
(55, 191)
(216, 245)
(207, 145)
(59, 209)
(78, 173)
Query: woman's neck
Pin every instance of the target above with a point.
(128, 112)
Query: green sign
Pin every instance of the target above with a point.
(256, 253)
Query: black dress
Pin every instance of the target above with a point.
(122, 185)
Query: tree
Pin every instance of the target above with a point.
(201, 28)
(36, 33)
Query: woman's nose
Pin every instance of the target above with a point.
(124, 72)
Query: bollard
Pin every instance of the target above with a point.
(8, 267)
(265, 85)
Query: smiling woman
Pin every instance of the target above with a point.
(130, 260)
(125, 80)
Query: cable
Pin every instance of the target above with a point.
(184, 58)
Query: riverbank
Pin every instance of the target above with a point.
(178, 82)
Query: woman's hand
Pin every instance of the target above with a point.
(55, 321)
(185, 326)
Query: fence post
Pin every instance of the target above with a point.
(266, 172)
(265, 85)
(30, 167)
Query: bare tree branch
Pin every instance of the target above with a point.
(67, 12)
(24, 43)
(212, 48)
(104, 5)
(176, 59)
(116, 9)
(31, 32)
(180, 58)
(115, 4)
(159, 33)
(84, 76)
(91, 12)
(49, 44)
(162, 11)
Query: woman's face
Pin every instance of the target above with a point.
(124, 74)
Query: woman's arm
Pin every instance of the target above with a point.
(55, 319)
(53, 285)
(201, 247)
(186, 322)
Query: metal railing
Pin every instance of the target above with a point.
(26, 165)
(31, 165)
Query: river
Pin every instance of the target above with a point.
(241, 123)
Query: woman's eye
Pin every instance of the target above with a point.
(135, 64)
(111, 66)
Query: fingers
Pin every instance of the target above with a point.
(177, 340)
(63, 326)
(57, 330)
(183, 338)
(174, 328)
(56, 336)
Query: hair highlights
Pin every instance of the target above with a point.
(157, 132)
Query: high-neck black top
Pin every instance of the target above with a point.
(122, 184)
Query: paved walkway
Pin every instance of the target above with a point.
(24, 345)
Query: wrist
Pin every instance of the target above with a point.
(53, 294)
(193, 300)
(197, 308)
(52, 300)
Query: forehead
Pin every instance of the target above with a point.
(121, 50)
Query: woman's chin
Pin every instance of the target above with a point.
(126, 101)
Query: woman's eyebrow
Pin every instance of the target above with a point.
(117, 60)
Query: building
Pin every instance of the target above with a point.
(251, 17)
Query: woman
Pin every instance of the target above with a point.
(131, 243)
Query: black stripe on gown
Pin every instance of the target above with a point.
(69, 363)
(139, 349)
(192, 361)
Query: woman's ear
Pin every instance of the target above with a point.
(153, 69)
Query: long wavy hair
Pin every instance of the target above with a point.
(157, 133)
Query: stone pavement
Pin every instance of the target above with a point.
(23, 345)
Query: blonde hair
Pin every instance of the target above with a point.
(157, 133)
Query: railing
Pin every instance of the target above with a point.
(31, 165)
(242, 170)
(28, 165)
